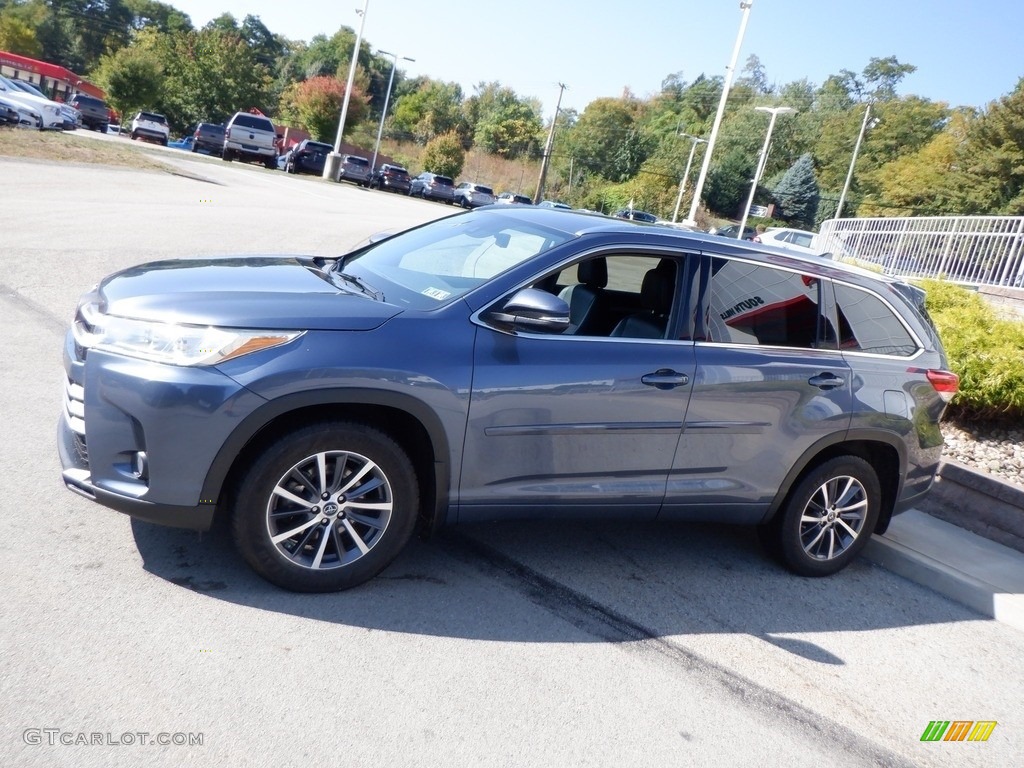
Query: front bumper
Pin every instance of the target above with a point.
(176, 418)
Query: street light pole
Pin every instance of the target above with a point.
(547, 147)
(729, 71)
(387, 96)
(686, 174)
(334, 159)
(762, 160)
(853, 162)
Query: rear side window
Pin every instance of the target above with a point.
(152, 117)
(484, 190)
(867, 324)
(443, 180)
(357, 160)
(316, 146)
(759, 305)
(89, 101)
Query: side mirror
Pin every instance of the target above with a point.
(534, 310)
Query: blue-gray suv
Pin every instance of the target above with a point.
(504, 363)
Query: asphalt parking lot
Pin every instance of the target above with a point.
(555, 644)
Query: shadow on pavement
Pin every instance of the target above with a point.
(605, 581)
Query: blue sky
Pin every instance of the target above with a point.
(965, 53)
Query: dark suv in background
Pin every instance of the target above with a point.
(355, 169)
(95, 112)
(506, 363)
(393, 178)
(209, 137)
(307, 156)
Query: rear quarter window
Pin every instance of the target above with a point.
(868, 324)
(253, 121)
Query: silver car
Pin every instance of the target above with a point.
(472, 195)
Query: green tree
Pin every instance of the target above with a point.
(994, 158)
(151, 14)
(18, 36)
(883, 75)
(211, 73)
(434, 109)
(606, 140)
(132, 79)
(445, 155)
(797, 194)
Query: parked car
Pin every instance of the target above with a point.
(570, 372)
(185, 142)
(796, 240)
(308, 156)
(635, 215)
(10, 117)
(51, 116)
(356, 169)
(251, 138)
(554, 204)
(19, 113)
(71, 117)
(472, 195)
(432, 186)
(730, 230)
(209, 137)
(513, 198)
(393, 178)
(95, 112)
(150, 126)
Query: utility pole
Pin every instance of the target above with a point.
(547, 147)
(730, 70)
(333, 164)
(853, 162)
(686, 174)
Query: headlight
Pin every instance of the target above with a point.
(174, 344)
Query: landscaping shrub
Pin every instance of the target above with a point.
(986, 351)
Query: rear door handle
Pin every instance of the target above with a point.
(826, 381)
(665, 378)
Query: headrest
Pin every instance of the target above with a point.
(657, 288)
(593, 273)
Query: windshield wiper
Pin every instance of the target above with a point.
(363, 286)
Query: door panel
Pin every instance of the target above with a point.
(567, 424)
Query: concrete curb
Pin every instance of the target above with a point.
(980, 503)
(981, 574)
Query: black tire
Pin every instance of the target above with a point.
(350, 541)
(827, 519)
(228, 156)
(163, 142)
(270, 163)
(195, 147)
(133, 136)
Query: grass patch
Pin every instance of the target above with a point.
(69, 148)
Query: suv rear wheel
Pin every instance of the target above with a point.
(827, 519)
(326, 507)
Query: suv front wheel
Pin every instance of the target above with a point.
(827, 519)
(326, 507)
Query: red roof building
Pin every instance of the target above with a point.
(55, 81)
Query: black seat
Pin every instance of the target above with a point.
(656, 299)
(583, 298)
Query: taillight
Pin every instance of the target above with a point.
(945, 383)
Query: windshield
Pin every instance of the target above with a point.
(445, 259)
(30, 89)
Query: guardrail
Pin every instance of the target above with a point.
(973, 250)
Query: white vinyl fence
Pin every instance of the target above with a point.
(973, 250)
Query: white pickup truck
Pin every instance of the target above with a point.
(151, 127)
(250, 137)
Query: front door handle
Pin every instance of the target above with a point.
(826, 381)
(665, 378)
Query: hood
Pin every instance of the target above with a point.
(271, 292)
